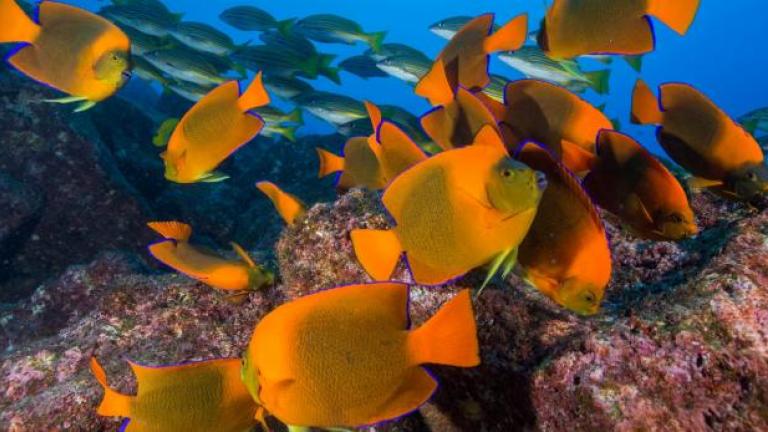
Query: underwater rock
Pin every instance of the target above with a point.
(681, 341)
(20, 206)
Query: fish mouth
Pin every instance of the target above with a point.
(126, 74)
(515, 214)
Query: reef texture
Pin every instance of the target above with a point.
(681, 343)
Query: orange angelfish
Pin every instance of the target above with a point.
(207, 396)
(346, 358)
(632, 184)
(374, 161)
(579, 27)
(459, 114)
(287, 205)
(213, 129)
(556, 118)
(454, 212)
(703, 139)
(471, 46)
(176, 252)
(71, 50)
(565, 254)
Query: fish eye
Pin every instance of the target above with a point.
(506, 173)
(589, 297)
(676, 218)
(751, 176)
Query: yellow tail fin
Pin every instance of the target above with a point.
(435, 85)
(15, 25)
(449, 337)
(329, 163)
(172, 230)
(377, 251)
(254, 96)
(114, 403)
(508, 38)
(645, 105)
(288, 206)
(677, 14)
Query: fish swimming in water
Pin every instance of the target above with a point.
(448, 27)
(206, 396)
(459, 114)
(336, 109)
(286, 87)
(203, 37)
(455, 211)
(185, 65)
(631, 183)
(703, 139)
(213, 129)
(287, 205)
(395, 49)
(406, 68)
(147, 18)
(577, 27)
(176, 252)
(330, 28)
(565, 254)
(362, 66)
(250, 18)
(346, 357)
(473, 44)
(279, 61)
(556, 118)
(72, 50)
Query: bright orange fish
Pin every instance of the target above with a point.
(632, 184)
(287, 205)
(556, 118)
(578, 27)
(703, 139)
(72, 50)
(176, 252)
(454, 212)
(345, 357)
(473, 44)
(374, 161)
(206, 396)
(213, 129)
(459, 114)
(565, 254)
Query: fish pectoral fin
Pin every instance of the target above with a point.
(243, 254)
(66, 100)
(294, 428)
(85, 106)
(505, 261)
(214, 177)
(698, 183)
(636, 206)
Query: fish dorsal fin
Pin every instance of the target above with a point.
(174, 230)
(243, 254)
(52, 13)
(510, 37)
(677, 14)
(540, 159)
(254, 96)
(398, 151)
(374, 113)
(435, 85)
(489, 136)
(476, 111)
(288, 206)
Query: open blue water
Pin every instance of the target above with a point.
(722, 54)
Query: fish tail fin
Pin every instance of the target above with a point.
(378, 251)
(449, 337)
(254, 96)
(510, 37)
(288, 206)
(599, 80)
(635, 62)
(114, 403)
(375, 40)
(15, 25)
(285, 26)
(295, 116)
(436, 86)
(288, 132)
(325, 69)
(645, 105)
(329, 163)
(172, 230)
(678, 14)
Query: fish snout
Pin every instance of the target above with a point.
(541, 180)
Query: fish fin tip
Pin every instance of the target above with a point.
(378, 251)
(509, 37)
(678, 14)
(449, 337)
(599, 80)
(374, 113)
(375, 40)
(254, 96)
(243, 254)
(698, 183)
(173, 230)
(645, 105)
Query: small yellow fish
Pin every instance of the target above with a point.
(287, 205)
(455, 211)
(345, 357)
(206, 396)
(213, 129)
(72, 50)
(176, 252)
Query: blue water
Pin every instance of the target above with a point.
(722, 54)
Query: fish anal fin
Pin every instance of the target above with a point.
(677, 14)
(174, 230)
(378, 251)
(416, 388)
(510, 37)
(449, 337)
